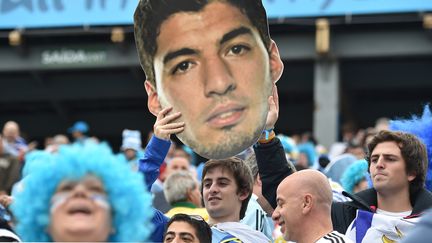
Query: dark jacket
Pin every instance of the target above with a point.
(343, 213)
(273, 167)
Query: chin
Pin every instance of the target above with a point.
(225, 143)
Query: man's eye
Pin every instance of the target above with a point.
(187, 239)
(238, 49)
(66, 187)
(96, 189)
(223, 183)
(181, 67)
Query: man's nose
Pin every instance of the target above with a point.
(380, 162)
(176, 240)
(213, 188)
(275, 214)
(218, 78)
(80, 191)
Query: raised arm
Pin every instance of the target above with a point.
(273, 166)
(159, 144)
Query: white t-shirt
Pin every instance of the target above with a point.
(392, 214)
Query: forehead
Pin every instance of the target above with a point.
(87, 179)
(284, 189)
(181, 227)
(217, 172)
(191, 28)
(179, 161)
(388, 147)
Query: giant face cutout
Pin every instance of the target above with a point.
(213, 67)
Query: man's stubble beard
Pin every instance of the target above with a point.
(235, 144)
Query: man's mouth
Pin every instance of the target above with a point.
(212, 199)
(79, 210)
(225, 116)
(282, 227)
(379, 174)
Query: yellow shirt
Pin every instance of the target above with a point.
(187, 208)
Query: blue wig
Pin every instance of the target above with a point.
(422, 128)
(309, 149)
(355, 173)
(130, 202)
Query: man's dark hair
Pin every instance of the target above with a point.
(150, 14)
(241, 173)
(413, 152)
(202, 229)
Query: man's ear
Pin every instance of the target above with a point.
(258, 180)
(189, 195)
(153, 103)
(307, 203)
(411, 176)
(276, 64)
(244, 194)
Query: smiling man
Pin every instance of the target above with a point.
(214, 62)
(303, 208)
(226, 189)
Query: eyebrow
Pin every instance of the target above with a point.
(234, 33)
(278, 201)
(374, 156)
(174, 54)
(181, 234)
(187, 234)
(223, 179)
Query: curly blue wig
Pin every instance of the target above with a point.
(422, 128)
(130, 201)
(309, 149)
(355, 173)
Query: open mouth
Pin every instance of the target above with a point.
(81, 210)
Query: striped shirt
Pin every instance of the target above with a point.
(334, 237)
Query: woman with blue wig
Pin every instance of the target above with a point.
(81, 193)
(355, 177)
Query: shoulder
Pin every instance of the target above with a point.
(422, 201)
(334, 236)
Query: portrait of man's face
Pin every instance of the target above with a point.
(213, 67)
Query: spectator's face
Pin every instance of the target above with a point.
(288, 211)
(218, 74)
(220, 195)
(387, 169)
(130, 154)
(80, 211)
(362, 185)
(11, 132)
(179, 163)
(180, 232)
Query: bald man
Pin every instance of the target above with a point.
(304, 208)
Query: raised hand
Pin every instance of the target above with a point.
(164, 125)
(273, 113)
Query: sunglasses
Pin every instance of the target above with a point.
(182, 215)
